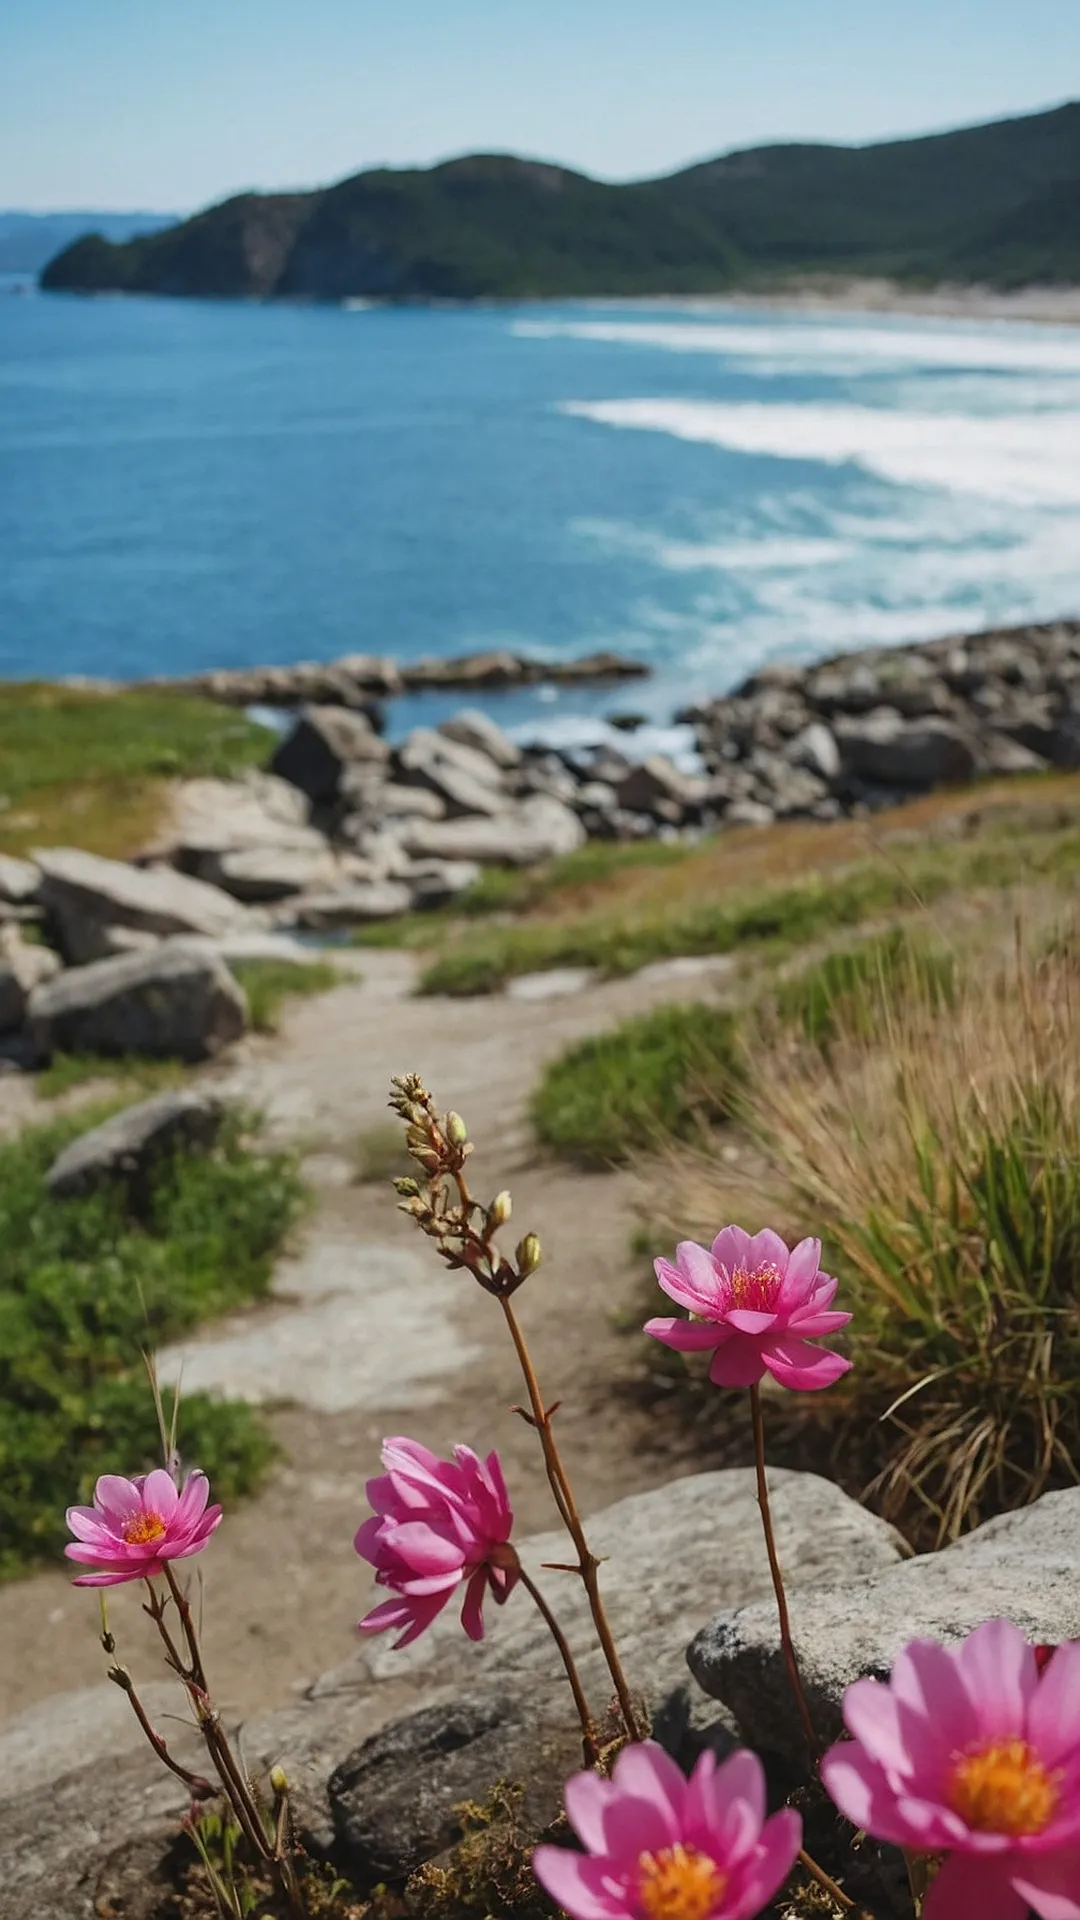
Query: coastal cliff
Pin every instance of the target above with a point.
(997, 205)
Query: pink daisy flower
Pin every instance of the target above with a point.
(438, 1525)
(135, 1526)
(759, 1307)
(972, 1752)
(661, 1847)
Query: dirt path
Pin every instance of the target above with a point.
(367, 1333)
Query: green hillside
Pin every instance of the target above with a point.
(998, 203)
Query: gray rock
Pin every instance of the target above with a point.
(467, 781)
(132, 1142)
(655, 781)
(353, 905)
(19, 881)
(890, 751)
(527, 832)
(269, 872)
(116, 940)
(23, 967)
(324, 741)
(397, 802)
(433, 883)
(211, 817)
(596, 796)
(749, 813)
(172, 1002)
(815, 749)
(85, 895)
(1023, 1566)
(471, 728)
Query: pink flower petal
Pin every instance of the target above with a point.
(193, 1498)
(114, 1578)
(587, 1797)
(118, 1498)
(423, 1549)
(871, 1716)
(967, 1885)
(736, 1796)
(1054, 1714)
(766, 1249)
(998, 1669)
(87, 1524)
(581, 1886)
(795, 1363)
(368, 1539)
(686, 1336)
(861, 1791)
(472, 1606)
(159, 1494)
(810, 1325)
(935, 1707)
(749, 1320)
(738, 1363)
(731, 1248)
(803, 1267)
(1050, 1883)
(765, 1873)
(648, 1773)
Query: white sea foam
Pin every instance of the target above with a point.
(1019, 458)
(1003, 345)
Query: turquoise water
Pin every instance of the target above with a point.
(186, 485)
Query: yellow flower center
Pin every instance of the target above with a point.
(1004, 1789)
(755, 1288)
(679, 1883)
(144, 1526)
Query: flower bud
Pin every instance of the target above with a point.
(500, 1210)
(415, 1137)
(528, 1255)
(456, 1131)
(279, 1780)
(407, 1188)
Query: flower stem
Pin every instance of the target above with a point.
(201, 1788)
(588, 1564)
(786, 1642)
(819, 1874)
(588, 1737)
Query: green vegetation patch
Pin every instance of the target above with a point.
(657, 1077)
(85, 1286)
(269, 983)
(66, 1071)
(89, 768)
(857, 986)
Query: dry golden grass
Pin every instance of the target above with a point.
(935, 1147)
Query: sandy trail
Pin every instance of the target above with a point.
(367, 1334)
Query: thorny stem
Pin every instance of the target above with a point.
(790, 1661)
(200, 1787)
(819, 1874)
(229, 1771)
(588, 1564)
(588, 1737)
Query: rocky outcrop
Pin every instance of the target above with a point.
(172, 1002)
(1024, 1567)
(870, 729)
(22, 968)
(324, 742)
(358, 679)
(127, 1147)
(86, 896)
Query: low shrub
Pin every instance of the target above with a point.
(84, 1287)
(654, 1078)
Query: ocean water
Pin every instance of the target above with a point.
(190, 484)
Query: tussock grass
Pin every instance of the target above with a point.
(935, 1147)
(91, 769)
(660, 1076)
(856, 985)
(84, 1286)
(66, 1071)
(269, 983)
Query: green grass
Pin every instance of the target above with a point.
(91, 768)
(701, 919)
(657, 1077)
(381, 1154)
(860, 984)
(68, 1070)
(84, 1287)
(269, 983)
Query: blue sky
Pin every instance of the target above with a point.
(174, 103)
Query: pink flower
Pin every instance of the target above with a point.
(971, 1752)
(757, 1305)
(135, 1526)
(661, 1847)
(439, 1524)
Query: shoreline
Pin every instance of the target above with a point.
(1042, 305)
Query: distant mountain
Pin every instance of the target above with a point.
(998, 204)
(29, 240)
